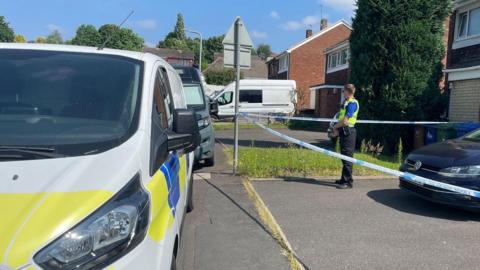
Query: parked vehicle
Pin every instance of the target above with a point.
(198, 101)
(455, 162)
(258, 96)
(94, 158)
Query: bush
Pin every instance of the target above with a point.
(221, 77)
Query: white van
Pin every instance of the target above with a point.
(94, 158)
(258, 96)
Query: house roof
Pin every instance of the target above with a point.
(319, 34)
(170, 53)
(258, 70)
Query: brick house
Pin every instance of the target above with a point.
(463, 61)
(337, 73)
(173, 56)
(305, 62)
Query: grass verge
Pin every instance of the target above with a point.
(293, 161)
(269, 220)
(230, 126)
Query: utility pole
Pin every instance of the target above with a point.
(201, 46)
(237, 93)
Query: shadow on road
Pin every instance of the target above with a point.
(408, 203)
(254, 219)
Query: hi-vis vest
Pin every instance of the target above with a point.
(343, 110)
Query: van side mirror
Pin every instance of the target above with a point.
(185, 135)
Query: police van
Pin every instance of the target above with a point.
(95, 159)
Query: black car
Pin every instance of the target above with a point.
(455, 162)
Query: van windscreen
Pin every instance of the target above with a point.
(76, 103)
(194, 96)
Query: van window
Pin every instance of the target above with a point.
(194, 96)
(226, 98)
(74, 103)
(251, 96)
(165, 92)
(159, 102)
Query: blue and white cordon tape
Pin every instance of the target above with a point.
(328, 120)
(407, 176)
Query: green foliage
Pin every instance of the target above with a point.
(20, 39)
(294, 161)
(120, 38)
(363, 147)
(87, 35)
(6, 32)
(397, 48)
(54, 38)
(211, 46)
(400, 151)
(40, 40)
(337, 145)
(264, 51)
(221, 77)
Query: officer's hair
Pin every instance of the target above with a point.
(350, 88)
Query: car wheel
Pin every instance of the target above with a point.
(174, 263)
(190, 196)
(210, 162)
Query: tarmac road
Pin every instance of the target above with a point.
(374, 226)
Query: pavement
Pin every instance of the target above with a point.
(373, 226)
(224, 230)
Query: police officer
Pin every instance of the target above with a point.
(345, 128)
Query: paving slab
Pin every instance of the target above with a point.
(224, 230)
(374, 226)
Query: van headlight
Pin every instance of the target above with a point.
(203, 123)
(461, 172)
(109, 233)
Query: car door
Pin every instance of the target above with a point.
(226, 104)
(251, 100)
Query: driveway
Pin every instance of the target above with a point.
(374, 226)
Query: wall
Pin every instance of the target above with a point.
(465, 101)
(308, 62)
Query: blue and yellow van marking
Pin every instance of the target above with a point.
(165, 188)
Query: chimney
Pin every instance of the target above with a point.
(309, 33)
(323, 24)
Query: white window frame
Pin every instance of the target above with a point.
(283, 63)
(461, 42)
(337, 55)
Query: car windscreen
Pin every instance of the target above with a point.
(194, 96)
(473, 136)
(76, 103)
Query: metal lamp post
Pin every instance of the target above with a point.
(201, 45)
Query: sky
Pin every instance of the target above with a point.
(279, 23)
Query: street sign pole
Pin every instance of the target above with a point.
(237, 49)
(237, 94)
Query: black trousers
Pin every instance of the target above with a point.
(347, 148)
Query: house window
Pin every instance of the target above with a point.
(338, 60)
(468, 23)
(283, 64)
(251, 96)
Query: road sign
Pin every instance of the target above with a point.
(245, 43)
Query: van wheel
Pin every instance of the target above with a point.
(190, 196)
(174, 263)
(210, 162)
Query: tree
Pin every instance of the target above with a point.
(40, 40)
(396, 50)
(120, 38)
(86, 35)
(263, 51)
(20, 39)
(180, 28)
(6, 32)
(221, 77)
(54, 38)
(177, 38)
(211, 46)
